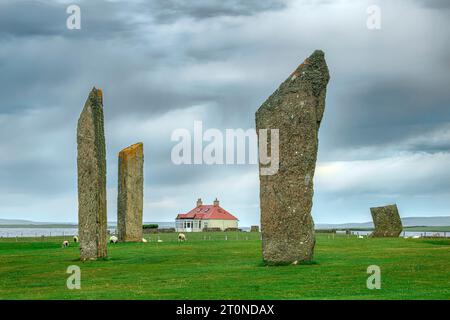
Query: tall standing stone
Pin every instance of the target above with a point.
(387, 221)
(130, 198)
(92, 225)
(295, 109)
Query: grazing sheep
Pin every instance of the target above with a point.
(65, 243)
(160, 240)
(113, 239)
(416, 237)
(181, 237)
(144, 240)
(75, 239)
(360, 237)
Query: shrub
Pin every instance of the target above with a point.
(150, 226)
(232, 229)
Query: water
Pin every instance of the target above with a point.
(37, 232)
(409, 233)
(64, 231)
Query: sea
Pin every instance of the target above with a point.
(408, 234)
(48, 231)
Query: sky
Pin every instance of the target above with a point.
(163, 64)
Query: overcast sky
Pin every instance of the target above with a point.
(163, 64)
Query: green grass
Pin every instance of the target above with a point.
(233, 269)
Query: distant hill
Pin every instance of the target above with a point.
(407, 222)
(19, 221)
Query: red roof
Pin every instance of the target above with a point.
(204, 212)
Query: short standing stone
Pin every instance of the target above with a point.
(254, 229)
(130, 198)
(387, 221)
(92, 224)
(295, 109)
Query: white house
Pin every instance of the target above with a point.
(205, 216)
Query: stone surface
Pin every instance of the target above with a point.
(92, 224)
(130, 197)
(296, 109)
(387, 221)
(254, 229)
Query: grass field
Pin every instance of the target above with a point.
(212, 268)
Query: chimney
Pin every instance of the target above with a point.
(216, 203)
(199, 202)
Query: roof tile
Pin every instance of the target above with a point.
(204, 212)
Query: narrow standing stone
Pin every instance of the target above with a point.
(92, 225)
(387, 221)
(130, 198)
(295, 109)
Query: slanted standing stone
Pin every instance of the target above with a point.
(387, 221)
(130, 198)
(92, 226)
(296, 109)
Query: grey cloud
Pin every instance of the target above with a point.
(47, 18)
(24, 18)
(435, 4)
(115, 19)
(386, 114)
(156, 60)
(166, 11)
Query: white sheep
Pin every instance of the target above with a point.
(113, 239)
(144, 240)
(360, 237)
(75, 239)
(181, 237)
(159, 240)
(65, 243)
(416, 237)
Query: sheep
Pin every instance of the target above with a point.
(181, 237)
(144, 240)
(360, 237)
(416, 237)
(65, 243)
(159, 240)
(75, 239)
(113, 239)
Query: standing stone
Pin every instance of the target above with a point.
(295, 109)
(92, 224)
(130, 198)
(387, 221)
